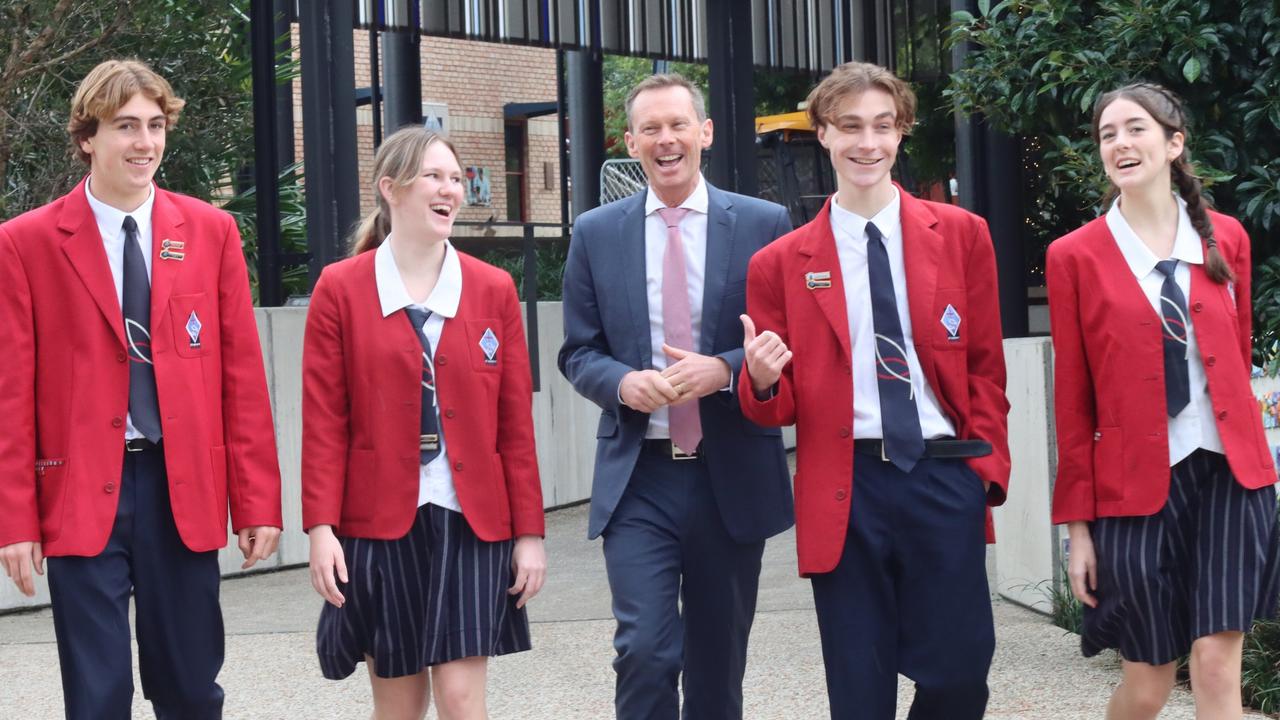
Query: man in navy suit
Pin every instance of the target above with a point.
(686, 490)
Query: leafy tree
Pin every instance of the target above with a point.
(200, 48)
(1039, 66)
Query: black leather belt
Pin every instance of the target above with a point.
(939, 448)
(139, 444)
(667, 449)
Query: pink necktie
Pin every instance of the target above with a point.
(677, 326)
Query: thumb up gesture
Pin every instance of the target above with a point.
(766, 355)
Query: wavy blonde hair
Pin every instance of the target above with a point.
(107, 88)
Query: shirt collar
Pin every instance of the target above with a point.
(1186, 241)
(392, 294)
(111, 220)
(697, 200)
(888, 220)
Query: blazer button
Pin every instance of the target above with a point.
(448, 412)
(840, 494)
(1211, 361)
(121, 357)
(1197, 306)
(441, 360)
(117, 422)
(458, 466)
(1222, 415)
(844, 432)
(110, 487)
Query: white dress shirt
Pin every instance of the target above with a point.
(435, 479)
(1193, 427)
(693, 233)
(850, 231)
(110, 222)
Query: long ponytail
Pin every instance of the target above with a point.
(1215, 265)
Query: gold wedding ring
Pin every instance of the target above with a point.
(680, 388)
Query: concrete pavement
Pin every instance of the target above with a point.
(271, 672)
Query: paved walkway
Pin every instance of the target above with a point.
(271, 671)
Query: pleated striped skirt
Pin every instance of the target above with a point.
(435, 595)
(1206, 563)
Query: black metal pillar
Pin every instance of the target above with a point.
(989, 178)
(402, 76)
(585, 80)
(284, 92)
(729, 60)
(562, 154)
(329, 128)
(262, 30)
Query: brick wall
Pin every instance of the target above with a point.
(474, 80)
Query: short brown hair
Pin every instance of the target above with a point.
(664, 80)
(107, 88)
(853, 78)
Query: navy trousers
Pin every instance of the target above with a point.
(666, 549)
(909, 595)
(179, 620)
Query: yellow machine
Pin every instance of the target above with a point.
(794, 170)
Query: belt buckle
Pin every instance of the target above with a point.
(429, 441)
(129, 446)
(883, 457)
(678, 454)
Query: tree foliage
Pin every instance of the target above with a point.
(49, 45)
(1041, 64)
(201, 48)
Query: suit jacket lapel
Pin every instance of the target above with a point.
(83, 248)
(820, 248)
(166, 222)
(632, 269)
(921, 250)
(720, 223)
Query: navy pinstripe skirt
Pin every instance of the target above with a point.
(435, 595)
(1206, 563)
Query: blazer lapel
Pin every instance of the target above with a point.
(632, 269)
(166, 222)
(83, 248)
(720, 223)
(921, 250)
(820, 248)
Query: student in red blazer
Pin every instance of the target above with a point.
(419, 474)
(893, 542)
(124, 479)
(1164, 474)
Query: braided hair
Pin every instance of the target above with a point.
(1166, 109)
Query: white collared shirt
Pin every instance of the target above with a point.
(110, 222)
(850, 231)
(693, 234)
(1194, 427)
(435, 479)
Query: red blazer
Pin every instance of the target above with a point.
(64, 385)
(949, 261)
(1109, 400)
(362, 399)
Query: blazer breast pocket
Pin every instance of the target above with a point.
(485, 344)
(195, 324)
(947, 326)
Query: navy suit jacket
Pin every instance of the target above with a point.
(606, 319)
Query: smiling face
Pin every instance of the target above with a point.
(862, 137)
(125, 152)
(1136, 151)
(429, 204)
(668, 139)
